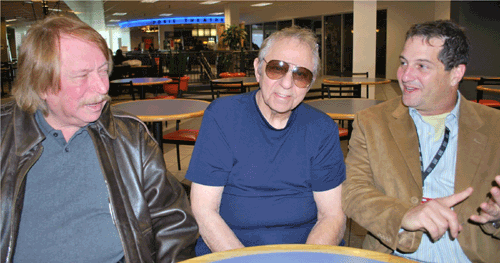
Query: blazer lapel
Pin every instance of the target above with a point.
(405, 136)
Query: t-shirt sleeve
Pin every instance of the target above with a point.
(327, 163)
(211, 161)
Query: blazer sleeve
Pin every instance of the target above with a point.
(369, 196)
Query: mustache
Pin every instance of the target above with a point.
(95, 100)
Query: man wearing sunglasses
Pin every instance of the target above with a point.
(267, 169)
(422, 169)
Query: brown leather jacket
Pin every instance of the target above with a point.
(149, 207)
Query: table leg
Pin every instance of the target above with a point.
(158, 133)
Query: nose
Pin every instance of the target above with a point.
(100, 83)
(287, 80)
(406, 73)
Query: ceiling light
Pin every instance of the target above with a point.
(262, 4)
(166, 14)
(55, 10)
(119, 14)
(114, 20)
(10, 20)
(149, 1)
(216, 14)
(209, 2)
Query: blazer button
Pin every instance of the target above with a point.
(414, 200)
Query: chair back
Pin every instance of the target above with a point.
(229, 87)
(116, 89)
(341, 91)
(480, 89)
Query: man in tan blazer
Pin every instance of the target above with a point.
(423, 169)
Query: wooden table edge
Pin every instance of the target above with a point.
(348, 251)
(181, 116)
(144, 83)
(483, 88)
(327, 81)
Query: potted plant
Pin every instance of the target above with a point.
(234, 37)
(177, 65)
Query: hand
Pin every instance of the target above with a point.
(490, 211)
(435, 216)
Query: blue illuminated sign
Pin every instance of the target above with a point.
(173, 21)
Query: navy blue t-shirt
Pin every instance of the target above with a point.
(268, 175)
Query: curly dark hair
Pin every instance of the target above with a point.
(456, 45)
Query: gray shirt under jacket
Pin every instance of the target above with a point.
(66, 216)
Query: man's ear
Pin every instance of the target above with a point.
(256, 69)
(457, 73)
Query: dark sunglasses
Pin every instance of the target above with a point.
(277, 69)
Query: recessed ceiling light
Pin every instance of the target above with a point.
(119, 14)
(209, 2)
(10, 20)
(55, 10)
(114, 20)
(149, 1)
(262, 4)
(216, 14)
(166, 14)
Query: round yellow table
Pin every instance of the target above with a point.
(297, 253)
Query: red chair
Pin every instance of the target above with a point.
(180, 137)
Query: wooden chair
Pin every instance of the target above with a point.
(180, 137)
(482, 87)
(232, 87)
(341, 91)
(116, 89)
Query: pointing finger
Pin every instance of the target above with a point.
(452, 200)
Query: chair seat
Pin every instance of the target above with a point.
(343, 132)
(182, 135)
(164, 97)
(490, 103)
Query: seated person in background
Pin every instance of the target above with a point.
(266, 168)
(439, 205)
(119, 57)
(82, 182)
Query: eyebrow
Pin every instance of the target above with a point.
(419, 60)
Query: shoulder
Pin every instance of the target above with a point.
(231, 104)
(313, 116)
(7, 113)
(382, 111)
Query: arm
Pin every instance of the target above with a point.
(173, 225)
(214, 230)
(330, 227)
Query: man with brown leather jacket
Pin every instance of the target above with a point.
(81, 182)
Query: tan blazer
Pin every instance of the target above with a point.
(384, 178)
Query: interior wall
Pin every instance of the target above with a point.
(400, 17)
(482, 26)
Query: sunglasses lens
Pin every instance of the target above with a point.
(276, 69)
(302, 77)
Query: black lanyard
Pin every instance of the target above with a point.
(437, 157)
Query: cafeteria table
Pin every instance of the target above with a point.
(297, 253)
(356, 81)
(343, 109)
(160, 110)
(142, 83)
(477, 78)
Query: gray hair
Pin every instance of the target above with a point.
(303, 35)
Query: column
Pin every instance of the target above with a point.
(364, 40)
